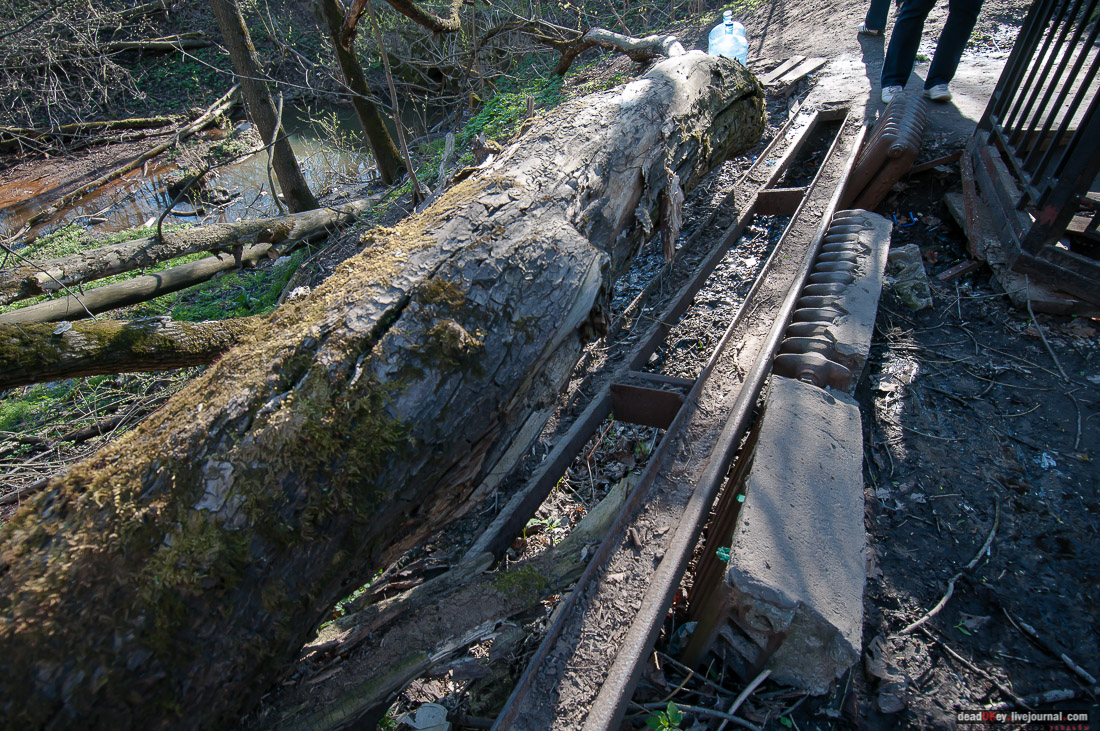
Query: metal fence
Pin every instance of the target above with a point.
(1036, 151)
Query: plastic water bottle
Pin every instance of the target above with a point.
(729, 39)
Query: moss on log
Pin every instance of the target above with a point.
(170, 578)
(35, 353)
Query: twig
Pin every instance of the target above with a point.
(1031, 632)
(951, 584)
(711, 712)
(678, 688)
(1042, 335)
(988, 676)
(744, 695)
(275, 136)
(676, 663)
(1050, 696)
(36, 18)
(1076, 439)
(179, 196)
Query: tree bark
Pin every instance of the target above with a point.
(410, 10)
(30, 280)
(142, 289)
(386, 156)
(36, 353)
(296, 191)
(170, 578)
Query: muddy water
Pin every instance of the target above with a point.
(140, 196)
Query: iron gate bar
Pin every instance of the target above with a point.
(1067, 52)
(623, 671)
(1038, 181)
(1009, 79)
(1077, 98)
(1045, 62)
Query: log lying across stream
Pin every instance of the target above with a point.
(170, 579)
(30, 279)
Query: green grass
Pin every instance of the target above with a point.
(237, 294)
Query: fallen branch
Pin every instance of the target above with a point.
(1008, 692)
(50, 276)
(637, 49)
(212, 112)
(743, 696)
(951, 584)
(37, 353)
(1047, 697)
(10, 135)
(144, 288)
(1031, 632)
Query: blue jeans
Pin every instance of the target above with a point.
(905, 40)
(876, 14)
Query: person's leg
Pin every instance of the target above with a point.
(904, 42)
(961, 18)
(877, 13)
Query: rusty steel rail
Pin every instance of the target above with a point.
(617, 385)
(638, 566)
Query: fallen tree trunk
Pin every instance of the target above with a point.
(142, 289)
(17, 283)
(78, 129)
(169, 579)
(39, 353)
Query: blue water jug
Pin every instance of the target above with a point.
(729, 39)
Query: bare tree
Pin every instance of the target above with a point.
(386, 156)
(260, 106)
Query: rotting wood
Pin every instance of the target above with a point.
(424, 626)
(36, 353)
(17, 283)
(186, 563)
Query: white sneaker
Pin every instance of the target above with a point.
(938, 93)
(866, 30)
(889, 92)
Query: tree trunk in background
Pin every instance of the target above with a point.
(260, 107)
(168, 580)
(381, 143)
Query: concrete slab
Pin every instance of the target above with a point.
(798, 561)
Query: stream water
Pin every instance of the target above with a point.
(140, 196)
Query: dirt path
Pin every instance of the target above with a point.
(967, 422)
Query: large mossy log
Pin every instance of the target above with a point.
(169, 579)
